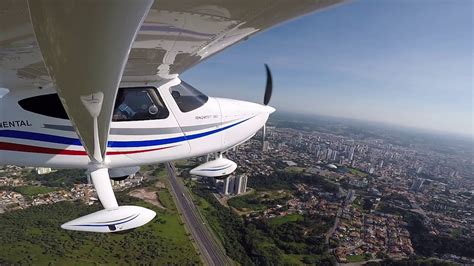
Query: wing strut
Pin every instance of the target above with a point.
(100, 179)
(85, 45)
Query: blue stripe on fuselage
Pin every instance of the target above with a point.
(16, 134)
(113, 144)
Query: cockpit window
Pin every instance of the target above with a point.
(187, 97)
(47, 104)
(134, 104)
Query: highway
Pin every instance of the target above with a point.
(211, 251)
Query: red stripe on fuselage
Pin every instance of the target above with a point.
(35, 149)
(139, 151)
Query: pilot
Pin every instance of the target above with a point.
(123, 111)
(126, 110)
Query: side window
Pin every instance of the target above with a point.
(135, 104)
(187, 97)
(48, 105)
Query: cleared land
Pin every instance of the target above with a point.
(357, 172)
(285, 219)
(33, 190)
(294, 169)
(148, 195)
(356, 258)
(258, 201)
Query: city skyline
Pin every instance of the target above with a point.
(356, 196)
(404, 63)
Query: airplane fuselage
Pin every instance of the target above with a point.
(32, 133)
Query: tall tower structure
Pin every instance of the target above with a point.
(266, 145)
(240, 184)
(328, 154)
(225, 188)
(243, 184)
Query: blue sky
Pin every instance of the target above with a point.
(402, 62)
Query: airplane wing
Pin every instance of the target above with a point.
(174, 36)
(85, 48)
(87, 65)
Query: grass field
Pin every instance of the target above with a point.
(258, 201)
(357, 172)
(355, 258)
(166, 200)
(285, 219)
(160, 172)
(294, 169)
(247, 202)
(33, 190)
(34, 236)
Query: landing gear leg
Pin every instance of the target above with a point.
(113, 218)
(101, 181)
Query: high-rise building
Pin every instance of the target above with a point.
(241, 184)
(225, 187)
(417, 184)
(328, 154)
(234, 184)
(341, 160)
(43, 170)
(266, 145)
(419, 170)
(351, 153)
(244, 183)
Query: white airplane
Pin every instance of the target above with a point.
(95, 85)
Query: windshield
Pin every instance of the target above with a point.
(187, 97)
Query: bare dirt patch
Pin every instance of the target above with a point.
(160, 184)
(147, 195)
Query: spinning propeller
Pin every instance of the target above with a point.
(268, 86)
(267, 96)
